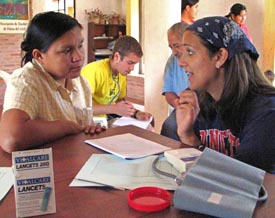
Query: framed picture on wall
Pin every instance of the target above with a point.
(14, 16)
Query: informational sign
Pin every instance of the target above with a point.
(13, 26)
(34, 182)
(14, 16)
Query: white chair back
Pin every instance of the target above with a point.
(5, 76)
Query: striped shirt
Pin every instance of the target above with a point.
(36, 92)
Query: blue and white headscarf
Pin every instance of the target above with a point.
(222, 32)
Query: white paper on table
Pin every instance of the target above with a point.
(128, 146)
(128, 174)
(101, 120)
(6, 181)
(123, 121)
(83, 183)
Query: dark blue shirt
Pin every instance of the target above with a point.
(254, 144)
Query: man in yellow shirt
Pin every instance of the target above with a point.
(107, 79)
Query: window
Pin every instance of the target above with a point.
(63, 6)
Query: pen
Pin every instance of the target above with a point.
(46, 198)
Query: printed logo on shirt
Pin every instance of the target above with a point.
(222, 141)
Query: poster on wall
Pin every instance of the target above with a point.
(14, 16)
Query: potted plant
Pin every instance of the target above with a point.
(94, 15)
(114, 18)
(104, 19)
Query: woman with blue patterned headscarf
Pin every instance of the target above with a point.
(230, 106)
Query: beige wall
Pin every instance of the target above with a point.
(254, 22)
(157, 17)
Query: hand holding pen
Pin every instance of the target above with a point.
(125, 108)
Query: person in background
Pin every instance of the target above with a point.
(230, 106)
(189, 11)
(269, 74)
(107, 79)
(175, 79)
(238, 14)
(111, 44)
(44, 99)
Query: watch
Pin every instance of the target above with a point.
(135, 114)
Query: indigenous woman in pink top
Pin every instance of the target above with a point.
(238, 14)
(189, 10)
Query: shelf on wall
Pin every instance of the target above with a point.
(99, 36)
(103, 37)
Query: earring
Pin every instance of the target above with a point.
(217, 66)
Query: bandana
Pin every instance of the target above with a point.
(222, 32)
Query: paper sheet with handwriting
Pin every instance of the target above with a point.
(128, 146)
(113, 171)
(6, 181)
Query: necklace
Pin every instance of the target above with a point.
(112, 91)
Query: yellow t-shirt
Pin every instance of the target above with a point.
(106, 88)
(34, 91)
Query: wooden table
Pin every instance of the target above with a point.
(70, 154)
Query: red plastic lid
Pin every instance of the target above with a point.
(149, 199)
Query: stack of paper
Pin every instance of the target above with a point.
(109, 170)
(134, 170)
(128, 146)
